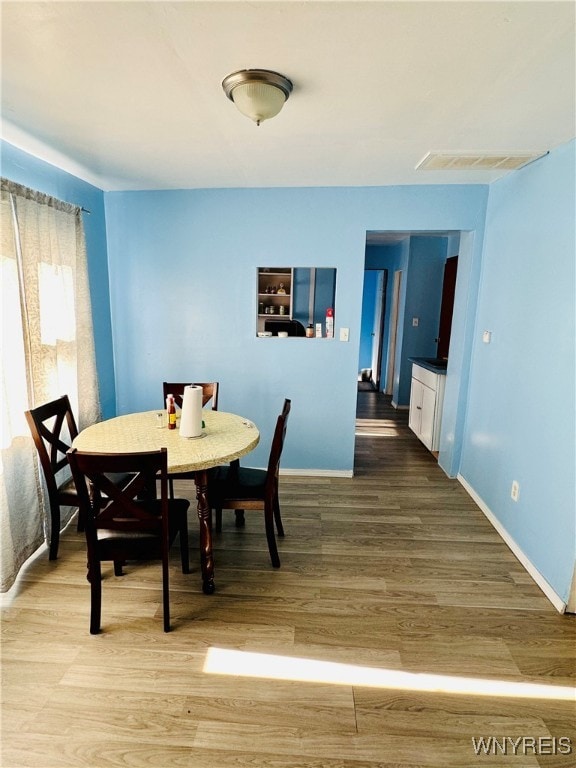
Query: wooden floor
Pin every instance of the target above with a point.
(395, 570)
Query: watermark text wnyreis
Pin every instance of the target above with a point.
(523, 745)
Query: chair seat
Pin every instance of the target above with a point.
(176, 508)
(67, 492)
(142, 545)
(237, 483)
(68, 495)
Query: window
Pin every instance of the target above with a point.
(47, 350)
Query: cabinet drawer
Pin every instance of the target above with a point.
(427, 377)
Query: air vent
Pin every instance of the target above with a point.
(469, 161)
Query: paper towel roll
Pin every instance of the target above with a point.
(191, 418)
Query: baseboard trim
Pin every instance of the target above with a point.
(318, 472)
(554, 598)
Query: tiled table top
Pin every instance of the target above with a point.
(225, 437)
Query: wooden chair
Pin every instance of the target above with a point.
(46, 424)
(240, 488)
(209, 393)
(130, 523)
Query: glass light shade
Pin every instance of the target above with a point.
(258, 101)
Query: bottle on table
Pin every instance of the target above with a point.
(171, 409)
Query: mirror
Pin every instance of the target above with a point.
(296, 301)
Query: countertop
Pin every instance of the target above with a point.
(434, 364)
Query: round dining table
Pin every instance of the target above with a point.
(224, 438)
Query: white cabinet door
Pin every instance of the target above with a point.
(426, 398)
(415, 413)
(427, 414)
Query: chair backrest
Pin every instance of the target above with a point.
(46, 424)
(278, 444)
(132, 508)
(209, 392)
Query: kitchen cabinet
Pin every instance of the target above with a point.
(274, 294)
(426, 400)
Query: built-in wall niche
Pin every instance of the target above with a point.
(295, 300)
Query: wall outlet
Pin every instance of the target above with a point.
(515, 491)
(487, 337)
(415, 321)
(344, 334)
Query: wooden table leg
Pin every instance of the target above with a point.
(206, 558)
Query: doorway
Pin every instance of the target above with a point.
(417, 319)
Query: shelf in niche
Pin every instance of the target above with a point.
(272, 277)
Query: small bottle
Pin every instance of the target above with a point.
(329, 323)
(310, 331)
(171, 408)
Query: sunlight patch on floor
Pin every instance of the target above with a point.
(221, 661)
(376, 428)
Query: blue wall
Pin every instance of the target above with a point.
(37, 174)
(521, 402)
(423, 298)
(182, 274)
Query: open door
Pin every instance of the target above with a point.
(447, 306)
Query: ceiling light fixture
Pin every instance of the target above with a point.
(258, 93)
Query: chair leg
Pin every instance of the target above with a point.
(218, 519)
(240, 520)
(277, 518)
(269, 522)
(171, 487)
(118, 567)
(95, 579)
(80, 527)
(54, 532)
(165, 592)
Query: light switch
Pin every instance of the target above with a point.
(487, 337)
(344, 334)
(415, 322)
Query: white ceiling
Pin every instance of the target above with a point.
(127, 95)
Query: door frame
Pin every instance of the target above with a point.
(378, 328)
(394, 316)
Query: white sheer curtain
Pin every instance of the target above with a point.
(47, 351)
